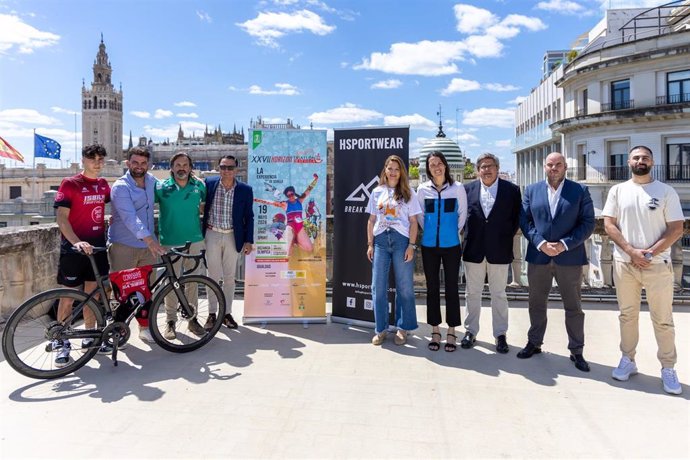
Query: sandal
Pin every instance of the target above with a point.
(434, 345)
(400, 337)
(450, 347)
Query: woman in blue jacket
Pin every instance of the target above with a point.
(444, 203)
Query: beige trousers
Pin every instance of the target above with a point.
(658, 283)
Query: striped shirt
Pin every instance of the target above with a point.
(221, 210)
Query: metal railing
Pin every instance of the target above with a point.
(619, 105)
(673, 99)
(664, 173)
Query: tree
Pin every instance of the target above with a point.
(468, 172)
(414, 172)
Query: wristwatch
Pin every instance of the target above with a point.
(414, 246)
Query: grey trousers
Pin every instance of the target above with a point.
(569, 279)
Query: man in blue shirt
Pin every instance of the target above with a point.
(131, 236)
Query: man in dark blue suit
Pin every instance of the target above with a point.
(557, 218)
(493, 217)
(228, 226)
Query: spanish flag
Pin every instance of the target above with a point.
(7, 151)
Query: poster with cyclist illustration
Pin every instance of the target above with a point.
(285, 276)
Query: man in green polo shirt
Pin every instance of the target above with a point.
(181, 199)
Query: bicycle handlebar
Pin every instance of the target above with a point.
(174, 254)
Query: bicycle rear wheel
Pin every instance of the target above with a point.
(27, 340)
(207, 293)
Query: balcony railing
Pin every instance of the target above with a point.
(598, 175)
(580, 112)
(620, 105)
(673, 99)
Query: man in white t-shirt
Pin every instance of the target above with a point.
(644, 218)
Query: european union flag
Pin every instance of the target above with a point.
(45, 147)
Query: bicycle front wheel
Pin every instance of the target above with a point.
(172, 327)
(33, 340)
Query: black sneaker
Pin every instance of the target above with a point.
(502, 344)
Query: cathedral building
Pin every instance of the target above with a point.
(101, 118)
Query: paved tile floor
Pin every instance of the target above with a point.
(323, 391)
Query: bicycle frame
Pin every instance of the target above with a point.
(104, 300)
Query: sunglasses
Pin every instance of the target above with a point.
(227, 168)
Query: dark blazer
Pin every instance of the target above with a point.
(573, 222)
(242, 210)
(491, 236)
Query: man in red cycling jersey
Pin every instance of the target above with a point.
(80, 204)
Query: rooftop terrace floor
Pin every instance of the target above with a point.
(323, 391)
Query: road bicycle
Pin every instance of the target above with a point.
(29, 340)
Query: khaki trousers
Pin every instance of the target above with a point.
(222, 255)
(171, 301)
(658, 283)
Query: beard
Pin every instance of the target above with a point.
(640, 170)
(137, 174)
(182, 175)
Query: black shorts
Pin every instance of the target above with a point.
(75, 268)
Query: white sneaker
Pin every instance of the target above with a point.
(625, 369)
(145, 336)
(670, 379)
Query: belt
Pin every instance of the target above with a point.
(220, 230)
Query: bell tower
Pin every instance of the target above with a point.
(101, 119)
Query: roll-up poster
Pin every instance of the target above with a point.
(285, 276)
(359, 157)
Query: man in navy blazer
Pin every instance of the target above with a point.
(493, 217)
(557, 218)
(228, 226)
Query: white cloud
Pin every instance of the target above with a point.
(268, 27)
(518, 100)
(499, 87)
(519, 20)
(140, 114)
(56, 109)
(188, 115)
(472, 19)
(28, 116)
(428, 58)
(416, 121)
(161, 113)
(460, 85)
(499, 118)
(204, 16)
(282, 89)
(347, 113)
(503, 143)
(467, 137)
(560, 6)
(483, 46)
(184, 104)
(16, 35)
(387, 84)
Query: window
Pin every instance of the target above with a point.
(620, 95)
(678, 87)
(55, 187)
(15, 191)
(585, 99)
(33, 222)
(3, 224)
(678, 161)
(618, 160)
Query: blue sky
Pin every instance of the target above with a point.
(335, 64)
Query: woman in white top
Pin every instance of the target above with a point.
(391, 233)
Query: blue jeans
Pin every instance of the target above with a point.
(389, 247)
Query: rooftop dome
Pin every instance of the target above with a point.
(449, 148)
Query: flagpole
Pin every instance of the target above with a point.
(34, 150)
(75, 137)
